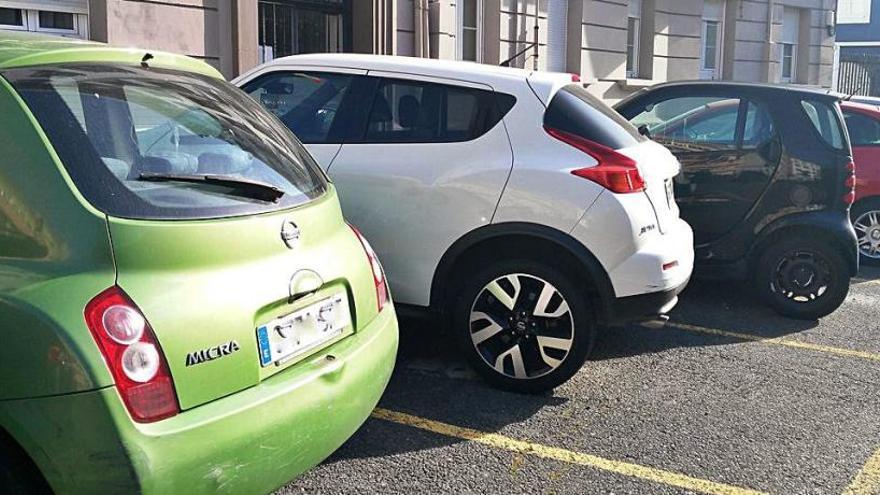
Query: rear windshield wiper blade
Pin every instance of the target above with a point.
(240, 187)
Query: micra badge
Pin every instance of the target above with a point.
(212, 353)
(647, 228)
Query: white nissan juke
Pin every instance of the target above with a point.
(515, 205)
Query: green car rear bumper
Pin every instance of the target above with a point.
(250, 442)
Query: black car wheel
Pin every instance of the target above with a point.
(802, 278)
(524, 326)
(18, 476)
(866, 221)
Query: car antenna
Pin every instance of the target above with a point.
(849, 97)
(147, 57)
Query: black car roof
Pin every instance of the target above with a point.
(761, 87)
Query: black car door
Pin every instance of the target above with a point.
(727, 147)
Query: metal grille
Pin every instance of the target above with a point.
(308, 26)
(859, 74)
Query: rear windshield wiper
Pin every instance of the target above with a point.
(238, 186)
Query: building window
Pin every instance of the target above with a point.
(469, 46)
(788, 61)
(789, 45)
(12, 18)
(56, 21)
(711, 39)
(854, 11)
(46, 21)
(633, 36)
(289, 28)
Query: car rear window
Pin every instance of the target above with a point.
(576, 111)
(863, 130)
(824, 117)
(114, 126)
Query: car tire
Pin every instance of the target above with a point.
(866, 221)
(524, 326)
(18, 476)
(802, 278)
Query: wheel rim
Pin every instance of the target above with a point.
(801, 276)
(521, 326)
(867, 227)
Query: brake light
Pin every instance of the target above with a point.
(378, 274)
(132, 353)
(615, 171)
(850, 183)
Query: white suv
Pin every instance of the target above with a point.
(512, 203)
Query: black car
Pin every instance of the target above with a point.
(767, 182)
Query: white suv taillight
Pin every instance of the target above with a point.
(615, 171)
(378, 274)
(133, 355)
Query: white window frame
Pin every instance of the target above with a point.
(792, 67)
(718, 19)
(14, 27)
(711, 72)
(632, 69)
(460, 29)
(34, 20)
(31, 22)
(847, 14)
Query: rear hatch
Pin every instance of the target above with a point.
(221, 223)
(574, 111)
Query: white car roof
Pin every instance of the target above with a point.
(543, 83)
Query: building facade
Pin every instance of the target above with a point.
(616, 46)
(857, 57)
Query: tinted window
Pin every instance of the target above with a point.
(863, 130)
(576, 111)
(306, 102)
(758, 126)
(824, 119)
(417, 112)
(701, 120)
(112, 126)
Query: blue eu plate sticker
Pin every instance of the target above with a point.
(265, 349)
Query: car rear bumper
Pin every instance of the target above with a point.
(249, 442)
(643, 273)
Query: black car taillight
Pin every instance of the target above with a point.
(849, 196)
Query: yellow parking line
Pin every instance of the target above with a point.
(787, 342)
(506, 443)
(867, 482)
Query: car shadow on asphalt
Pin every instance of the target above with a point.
(726, 308)
(430, 381)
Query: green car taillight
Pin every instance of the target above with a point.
(132, 353)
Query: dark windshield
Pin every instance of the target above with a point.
(111, 125)
(576, 111)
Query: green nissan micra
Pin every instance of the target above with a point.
(182, 307)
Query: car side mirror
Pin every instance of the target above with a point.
(644, 131)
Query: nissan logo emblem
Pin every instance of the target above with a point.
(290, 234)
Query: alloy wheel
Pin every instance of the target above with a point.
(801, 276)
(867, 227)
(521, 326)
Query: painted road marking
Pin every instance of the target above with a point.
(867, 482)
(497, 441)
(783, 341)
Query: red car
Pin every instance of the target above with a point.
(863, 122)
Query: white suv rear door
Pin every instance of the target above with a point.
(423, 174)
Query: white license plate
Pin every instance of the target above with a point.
(670, 193)
(289, 336)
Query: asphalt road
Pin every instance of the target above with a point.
(728, 398)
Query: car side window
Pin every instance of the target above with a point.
(306, 102)
(863, 130)
(406, 111)
(758, 128)
(824, 119)
(702, 122)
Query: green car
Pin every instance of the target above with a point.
(182, 306)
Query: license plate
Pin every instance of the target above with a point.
(297, 333)
(670, 193)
